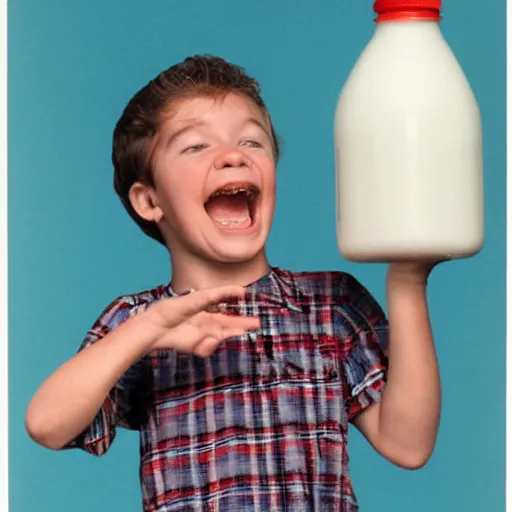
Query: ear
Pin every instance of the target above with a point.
(145, 202)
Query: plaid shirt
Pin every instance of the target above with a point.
(262, 424)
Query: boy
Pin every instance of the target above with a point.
(243, 390)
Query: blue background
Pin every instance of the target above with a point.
(72, 67)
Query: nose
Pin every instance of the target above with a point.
(230, 158)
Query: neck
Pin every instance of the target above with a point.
(193, 272)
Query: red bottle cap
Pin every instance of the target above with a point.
(396, 10)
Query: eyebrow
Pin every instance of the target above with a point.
(186, 128)
(259, 124)
(192, 125)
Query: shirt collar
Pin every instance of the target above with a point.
(278, 287)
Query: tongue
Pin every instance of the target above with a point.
(229, 209)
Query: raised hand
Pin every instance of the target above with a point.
(187, 323)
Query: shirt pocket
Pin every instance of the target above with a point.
(309, 413)
(310, 359)
(309, 385)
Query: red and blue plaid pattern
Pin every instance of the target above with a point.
(262, 424)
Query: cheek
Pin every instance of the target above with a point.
(269, 177)
(180, 200)
(266, 165)
(269, 197)
(180, 185)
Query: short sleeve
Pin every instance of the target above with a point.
(364, 345)
(125, 404)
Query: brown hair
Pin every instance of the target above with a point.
(136, 129)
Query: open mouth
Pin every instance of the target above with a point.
(233, 205)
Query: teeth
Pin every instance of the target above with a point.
(229, 223)
(249, 192)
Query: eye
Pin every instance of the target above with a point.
(251, 143)
(194, 148)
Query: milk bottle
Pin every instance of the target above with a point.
(408, 145)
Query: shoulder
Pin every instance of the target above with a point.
(330, 284)
(124, 306)
(338, 289)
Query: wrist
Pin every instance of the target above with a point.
(146, 330)
(413, 275)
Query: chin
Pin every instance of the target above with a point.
(237, 253)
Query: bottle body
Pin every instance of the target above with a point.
(408, 151)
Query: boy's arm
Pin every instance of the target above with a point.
(68, 401)
(403, 425)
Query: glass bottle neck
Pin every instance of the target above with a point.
(409, 15)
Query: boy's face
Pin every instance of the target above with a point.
(214, 175)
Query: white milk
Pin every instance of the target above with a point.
(408, 148)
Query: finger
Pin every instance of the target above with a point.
(233, 332)
(203, 299)
(223, 333)
(230, 321)
(207, 346)
(247, 323)
(225, 326)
